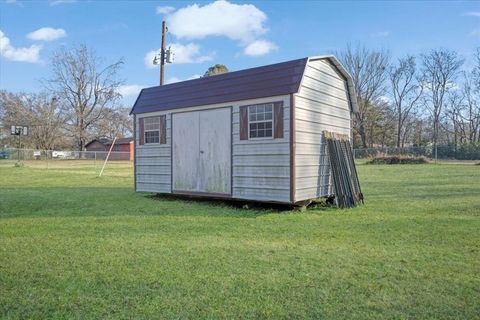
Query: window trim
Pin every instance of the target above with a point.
(145, 131)
(261, 121)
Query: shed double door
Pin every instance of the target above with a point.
(202, 151)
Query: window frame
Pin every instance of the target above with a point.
(145, 130)
(261, 121)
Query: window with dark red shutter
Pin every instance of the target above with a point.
(278, 120)
(141, 130)
(261, 121)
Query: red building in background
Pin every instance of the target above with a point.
(122, 149)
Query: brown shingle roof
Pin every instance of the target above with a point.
(107, 141)
(266, 81)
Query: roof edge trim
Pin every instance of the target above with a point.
(135, 103)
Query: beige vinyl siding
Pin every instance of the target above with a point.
(153, 163)
(261, 167)
(321, 104)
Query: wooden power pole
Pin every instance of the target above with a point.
(162, 54)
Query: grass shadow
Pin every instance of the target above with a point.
(247, 205)
(117, 201)
(318, 205)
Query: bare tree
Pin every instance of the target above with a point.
(85, 88)
(38, 111)
(368, 70)
(114, 123)
(440, 70)
(47, 121)
(379, 124)
(410, 125)
(13, 112)
(454, 123)
(406, 91)
(463, 110)
(420, 135)
(471, 95)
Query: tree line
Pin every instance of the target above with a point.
(424, 100)
(430, 99)
(80, 101)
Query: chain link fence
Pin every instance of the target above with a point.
(89, 161)
(469, 152)
(94, 160)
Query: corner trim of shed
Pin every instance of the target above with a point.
(135, 152)
(292, 149)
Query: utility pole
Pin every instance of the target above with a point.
(166, 56)
(162, 54)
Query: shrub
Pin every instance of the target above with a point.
(397, 159)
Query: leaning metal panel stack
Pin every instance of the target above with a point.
(344, 174)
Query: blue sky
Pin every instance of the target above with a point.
(239, 34)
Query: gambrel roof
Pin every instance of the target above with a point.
(260, 82)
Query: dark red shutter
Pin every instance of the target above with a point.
(244, 123)
(141, 131)
(163, 129)
(278, 120)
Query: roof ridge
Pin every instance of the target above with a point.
(230, 74)
(278, 79)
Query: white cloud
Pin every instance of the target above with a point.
(46, 34)
(475, 33)
(149, 59)
(130, 89)
(189, 53)
(195, 76)
(454, 86)
(58, 2)
(7, 51)
(380, 34)
(176, 79)
(385, 99)
(15, 2)
(243, 22)
(259, 48)
(172, 80)
(472, 14)
(165, 10)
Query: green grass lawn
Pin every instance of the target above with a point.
(76, 246)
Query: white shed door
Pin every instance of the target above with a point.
(202, 151)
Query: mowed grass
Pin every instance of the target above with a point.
(73, 245)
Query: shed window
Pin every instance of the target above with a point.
(260, 121)
(152, 130)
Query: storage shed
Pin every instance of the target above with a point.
(255, 134)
